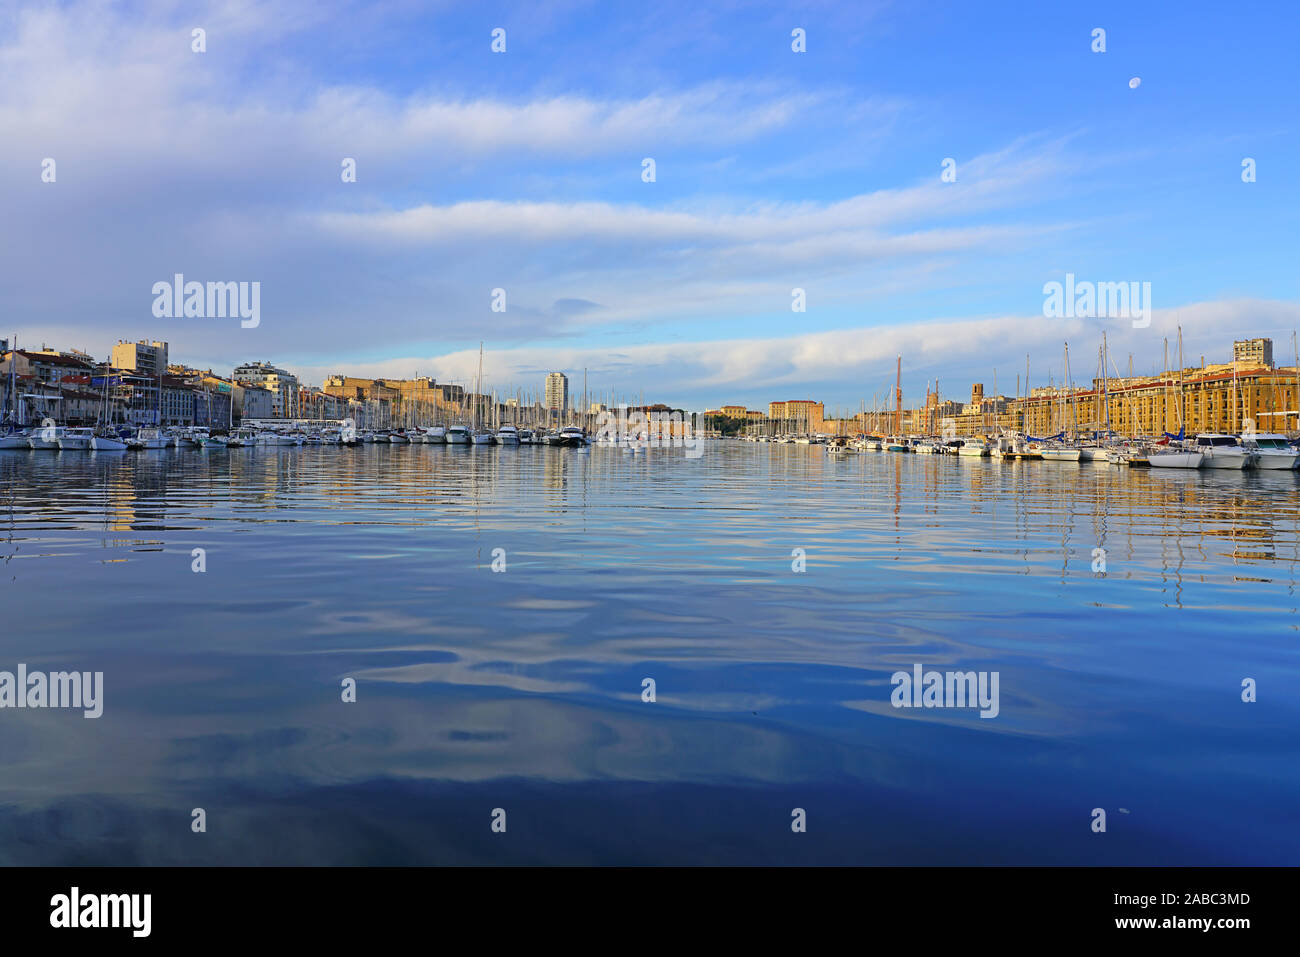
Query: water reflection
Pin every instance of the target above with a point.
(522, 689)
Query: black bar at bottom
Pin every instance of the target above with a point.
(335, 906)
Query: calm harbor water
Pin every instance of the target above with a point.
(522, 689)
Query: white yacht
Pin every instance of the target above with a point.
(1223, 452)
(149, 437)
(570, 436)
(76, 440)
(15, 440)
(525, 436)
(436, 435)
(1059, 453)
(45, 438)
(242, 438)
(481, 437)
(507, 435)
(973, 447)
(1273, 451)
(107, 440)
(458, 435)
(1174, 457)
(1003, 447)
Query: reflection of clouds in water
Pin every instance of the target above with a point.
(621, 569)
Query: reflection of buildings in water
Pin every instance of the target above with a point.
(556, 469)
(1235, 517)
(139, 501)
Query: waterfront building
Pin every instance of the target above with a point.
(46, 368)
(557, 392)
(797, 415)
(282, 385)
(316, 404)
(253, 402)
(1253, 352)
(142, 357)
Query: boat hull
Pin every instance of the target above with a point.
(1175, 460)
(76, 443)
(1226, 458)
(1060, 455)
(1273, 459)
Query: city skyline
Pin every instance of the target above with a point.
(524, 171)
(1271, 394)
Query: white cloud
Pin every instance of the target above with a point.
(816, 363)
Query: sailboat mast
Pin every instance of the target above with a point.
(1164, 392)
(1105, 383)
(1182, 402)
(1295, 357)
(898, 398)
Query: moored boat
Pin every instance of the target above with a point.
(1272, 451)
(1174, 457)
(1223, 452)
(45, 438)
(16, 439)
(149, 437)
(76, 440)
(570, 437)
(1058, 453)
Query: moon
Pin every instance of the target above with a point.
(1134, 83)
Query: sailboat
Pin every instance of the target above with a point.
(1165, 454)
(14, 437)
(1051, 449)
(480, 435)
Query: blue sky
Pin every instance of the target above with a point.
(774, 170)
